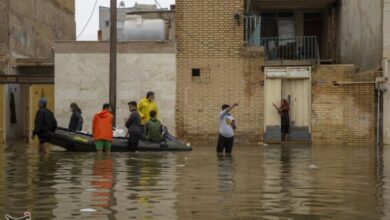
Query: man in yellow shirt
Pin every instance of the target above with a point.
(145, 106)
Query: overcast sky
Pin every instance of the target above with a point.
(84, 9)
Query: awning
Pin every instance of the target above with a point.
(27, 79)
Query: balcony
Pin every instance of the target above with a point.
(296, 50)
(287, 49)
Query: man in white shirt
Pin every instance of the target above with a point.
(227, 126)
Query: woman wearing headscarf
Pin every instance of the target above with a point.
(76, 120)
(284, 112)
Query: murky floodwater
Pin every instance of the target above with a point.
(296, 182)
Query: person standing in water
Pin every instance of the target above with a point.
(45, 125)
(76, 120)
(227, 125)
(102, 130)
(284, 112)
(134, 127)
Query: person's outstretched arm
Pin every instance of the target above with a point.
(231, 107)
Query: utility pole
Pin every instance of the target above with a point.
(113, 63)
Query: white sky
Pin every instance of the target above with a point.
(85, 7)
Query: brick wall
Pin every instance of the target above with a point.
(222, 80)
(344, 114)
(209, 38)
(207, 28)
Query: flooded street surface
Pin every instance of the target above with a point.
(256, 182)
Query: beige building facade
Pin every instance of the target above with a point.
(142, 67)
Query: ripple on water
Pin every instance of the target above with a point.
(254, 183)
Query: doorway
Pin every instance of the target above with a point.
(313, 27)
(293, 84)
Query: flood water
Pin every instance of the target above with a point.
(256, 182)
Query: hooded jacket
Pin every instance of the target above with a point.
(45, 122)
(144, 108)
(102, 126)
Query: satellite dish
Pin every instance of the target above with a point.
(122, 4)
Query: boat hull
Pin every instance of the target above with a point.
(81, 142)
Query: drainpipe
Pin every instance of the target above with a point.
(381, 88)
(378, 115)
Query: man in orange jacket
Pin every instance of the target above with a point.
(102, 129)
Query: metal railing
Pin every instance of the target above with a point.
(252, 25)
(290, 48)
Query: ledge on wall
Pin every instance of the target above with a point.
(252, 52)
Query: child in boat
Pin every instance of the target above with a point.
(153, 129)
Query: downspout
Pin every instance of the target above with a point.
(383, 88)
(378, 115)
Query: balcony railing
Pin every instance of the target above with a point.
(290, 48)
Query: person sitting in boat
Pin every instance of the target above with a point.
(102, 130)
(145, 106)
(76, 120)
(153, 129)
(134, 127)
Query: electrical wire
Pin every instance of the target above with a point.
(158, 3)
(89, 20)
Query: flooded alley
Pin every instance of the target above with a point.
(256, 182)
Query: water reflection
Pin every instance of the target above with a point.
(225, 172)
(275, 182)
(226, 184)
(28, 183)
(150, 182)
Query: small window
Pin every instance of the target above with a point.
(195, 72)
(107, 23)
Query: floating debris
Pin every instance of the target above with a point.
(88, 210)
(313, 166)
(89, 190)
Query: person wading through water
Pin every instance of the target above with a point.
(134, 127)
(102, 130)
(45, 125)
(227, 125)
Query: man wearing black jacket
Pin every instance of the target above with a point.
(45, 125)
(134, 127)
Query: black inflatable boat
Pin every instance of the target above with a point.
(83, 142)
